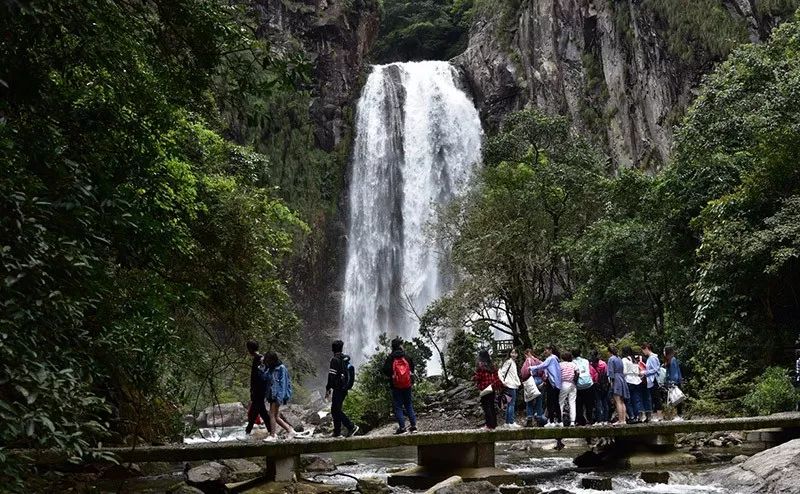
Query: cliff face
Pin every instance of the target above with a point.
(336, 35)
(623, 70)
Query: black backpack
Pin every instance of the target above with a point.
(347, 373)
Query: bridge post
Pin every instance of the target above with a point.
(435, 463)
(281, 469)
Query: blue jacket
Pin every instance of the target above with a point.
(553, 368)
(280, 387)
(674, 375)
(651, 371)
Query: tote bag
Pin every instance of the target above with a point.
(675, 396)
(531, 389)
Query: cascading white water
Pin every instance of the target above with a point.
(418, 140)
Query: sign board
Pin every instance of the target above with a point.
(502, 347)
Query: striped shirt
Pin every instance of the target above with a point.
(567, 372)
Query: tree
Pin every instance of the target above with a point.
(540, 189)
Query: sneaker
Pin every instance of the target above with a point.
(400, 430)
(353, 432)
(271, 439)
(336, 435)
(514, 426)
(412, 429)
(550, 424)
(677, 419)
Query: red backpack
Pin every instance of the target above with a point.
(401, 373)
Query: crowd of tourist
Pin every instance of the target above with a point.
(568, 389)
(564, 389)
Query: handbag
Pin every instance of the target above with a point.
(675, 396)
(485, 391)
(531, 389)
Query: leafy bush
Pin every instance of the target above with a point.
(773, 392)
(369, 403)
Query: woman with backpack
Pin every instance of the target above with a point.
(280, 394)
(510, 379)
(602, 389)
(487, 381)
(399, 369)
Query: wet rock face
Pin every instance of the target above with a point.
(222, 415)
(604, 63)
(774, 471)
(336, 36)
(209, 478)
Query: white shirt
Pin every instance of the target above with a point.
(508, 374)
(631, 371)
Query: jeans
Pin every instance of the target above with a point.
(535, 407)
(489, 410)
(257, 407)
(634, 404)
(602, 411)
(647, 397)
(511, 409)
(568, 395)
(402, 401)
(553, 411)
(339, 417)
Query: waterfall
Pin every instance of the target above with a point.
(418, 140)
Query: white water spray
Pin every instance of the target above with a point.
(418, 140)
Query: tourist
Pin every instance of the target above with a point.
(552, 367)
(280, 393)
(487, 381)
(586, 390)
(399, 368)
(674, 376)
(634, 380)
(534, 408)
(602, 389)
(258, 389)
(510, 379)
(569, 392)
(651, 402)
(797, 376)
(619, 386)
(341, 376)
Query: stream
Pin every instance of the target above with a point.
(543, 468)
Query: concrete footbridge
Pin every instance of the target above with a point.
(468, 453)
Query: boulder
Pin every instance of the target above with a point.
(716, 443)
(530, 489)
(774, 471)
(560, 491)
(739, 459)
(224, 415)
(373, 485)
(317, 464)
(209, 478)
(596, 483)
(348, 463)
(320, 417)
(455, 480)
(479, 487)
(655, 477)
(242, 470)
(293, 414)
(510, 489)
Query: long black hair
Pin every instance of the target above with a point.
(271, 359)
(485, 359)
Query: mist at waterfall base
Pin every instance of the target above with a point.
(418, 141)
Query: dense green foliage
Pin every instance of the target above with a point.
(139, 248)
(422, 30)
(703, 255)
(773, 392)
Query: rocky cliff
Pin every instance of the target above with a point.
(623, 70)
(336, 36)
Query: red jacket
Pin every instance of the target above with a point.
(486, 377)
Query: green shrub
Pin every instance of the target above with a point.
(773, 392)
